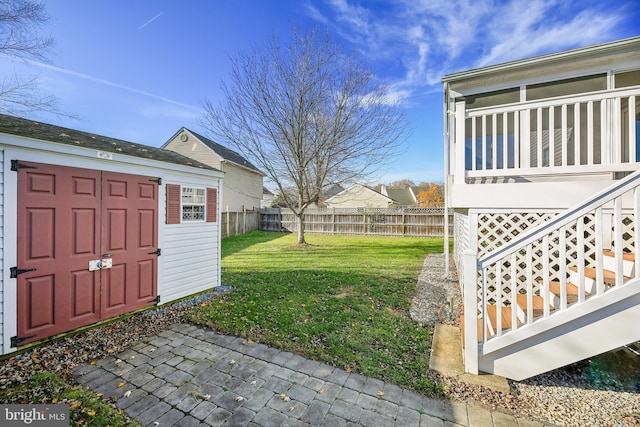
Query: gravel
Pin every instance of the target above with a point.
(603, 391)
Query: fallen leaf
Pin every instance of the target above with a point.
(121, 383)
(291, 408)
(97, 394)
(321, 391)
(54, 400)
(119, 361)
(93, 362)
(232, 362)
(253, 382)
(74, 405)
(127, 393)
(381, 393)
(286, 399)
(348, 369)
(206, 396)
(239, 399)
(91, 413)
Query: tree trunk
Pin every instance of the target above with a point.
(301, 240)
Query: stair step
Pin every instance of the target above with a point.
(537, 303)
(590, 273)
(492, 311)
(627, 256)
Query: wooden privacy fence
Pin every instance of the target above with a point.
(234, 223)
(413, 222)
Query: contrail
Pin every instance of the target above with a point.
(150, 21)
(108, 83)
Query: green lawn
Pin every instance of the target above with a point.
(342, 300)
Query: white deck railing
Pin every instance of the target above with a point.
(550, 241)
(578, 134)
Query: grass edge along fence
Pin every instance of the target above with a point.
(410, 222)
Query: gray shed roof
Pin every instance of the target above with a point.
(46, 132)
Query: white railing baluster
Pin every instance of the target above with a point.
(552, 138)
(505, 140)
(605, 155)
(617, 238)
(539, 131)
(590, 147)
(565, 137)
(616, 130)
(499, 297)
(577, 143)
(494, 141)
(545, 268)
(580, 260)
(517, 161)
(599, 288)
(529, 273)
(484, 143)
(633, 157)
(470, 296)
(562, 242)
(514, 291)
(474, 145)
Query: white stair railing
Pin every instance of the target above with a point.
(549, 239)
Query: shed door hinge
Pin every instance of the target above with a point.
(15, 341)
(158, 252)
(158, 180)
(156, 300)
(14, 271)
(15, 165)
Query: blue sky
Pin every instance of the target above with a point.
(139, 70)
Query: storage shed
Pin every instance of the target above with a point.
(93, 227)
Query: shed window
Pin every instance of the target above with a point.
(193, 203)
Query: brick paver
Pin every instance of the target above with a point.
(190, 376)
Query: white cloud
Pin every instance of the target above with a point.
(430, 38)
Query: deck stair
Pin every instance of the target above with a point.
(565, 290)
(555, 291)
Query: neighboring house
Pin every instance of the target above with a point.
(541, 168)
(94, 227)
(242, 180)
(359, 196)
(267, 198)
(405, 197)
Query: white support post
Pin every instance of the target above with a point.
(470, 289)
(460, 163)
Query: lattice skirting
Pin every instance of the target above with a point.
(498, 228)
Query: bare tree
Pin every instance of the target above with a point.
(308, 116)
(20, 22)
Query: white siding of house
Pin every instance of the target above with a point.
(358, 196)
(242, 189)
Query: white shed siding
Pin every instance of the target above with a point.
(190, 259)
(1, 249)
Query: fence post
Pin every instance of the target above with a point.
(470, 297)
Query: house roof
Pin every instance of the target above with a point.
(46, 132)
(402, 196)
(631, 43)
(362, 187)
(224, 152)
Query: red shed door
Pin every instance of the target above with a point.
(130, 239)
(68, 217)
